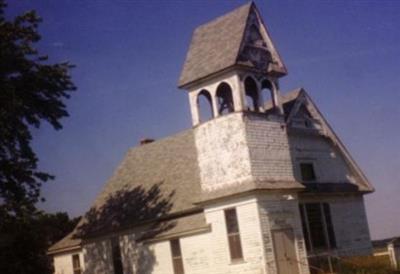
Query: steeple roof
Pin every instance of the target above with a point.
(236, 38)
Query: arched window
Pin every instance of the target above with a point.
(204, 103)
(267, 95)
(225, 99)
(251, 92)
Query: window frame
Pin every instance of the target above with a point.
(234, 239)
(76, 269)
(328, 229)
(313, 169)
(176, 256)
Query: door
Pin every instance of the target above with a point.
(285, 252)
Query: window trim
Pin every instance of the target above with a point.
(234, 235)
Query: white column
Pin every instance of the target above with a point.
(259, 97)
(214, 104)
(276, 96)
(194, 108)
(238, 93)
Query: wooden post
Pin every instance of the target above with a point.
(394, 253)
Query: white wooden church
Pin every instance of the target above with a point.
(264, 186)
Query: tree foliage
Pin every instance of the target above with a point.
(24, 242)
(31, 91)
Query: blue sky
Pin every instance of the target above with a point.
(129, 55)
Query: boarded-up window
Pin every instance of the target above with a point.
(116, 256)
(232, 227)
(307, 172)
(177, 256)
(76, 264)
(317, 226)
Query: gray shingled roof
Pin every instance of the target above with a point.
(69, 242)
(171, 161)
(215, 45)
(286, 100)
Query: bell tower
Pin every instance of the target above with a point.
(233, 65)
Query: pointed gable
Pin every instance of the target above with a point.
(257, 50)
(298, 104)
(237, 38)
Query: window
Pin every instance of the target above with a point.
(76, 264)
(307, 172)
(225, 100)
(176, 252)
(317, 226)
(251, 92)
(268, 95)
(116, 256)
(204, 104)
(232, 227)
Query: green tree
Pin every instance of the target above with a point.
(24, 242)
(32, 90)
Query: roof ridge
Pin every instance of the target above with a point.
(162, 139)
(223, 16)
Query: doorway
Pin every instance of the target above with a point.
(285, 252)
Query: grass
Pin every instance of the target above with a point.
(367, 265)
(355, 265)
